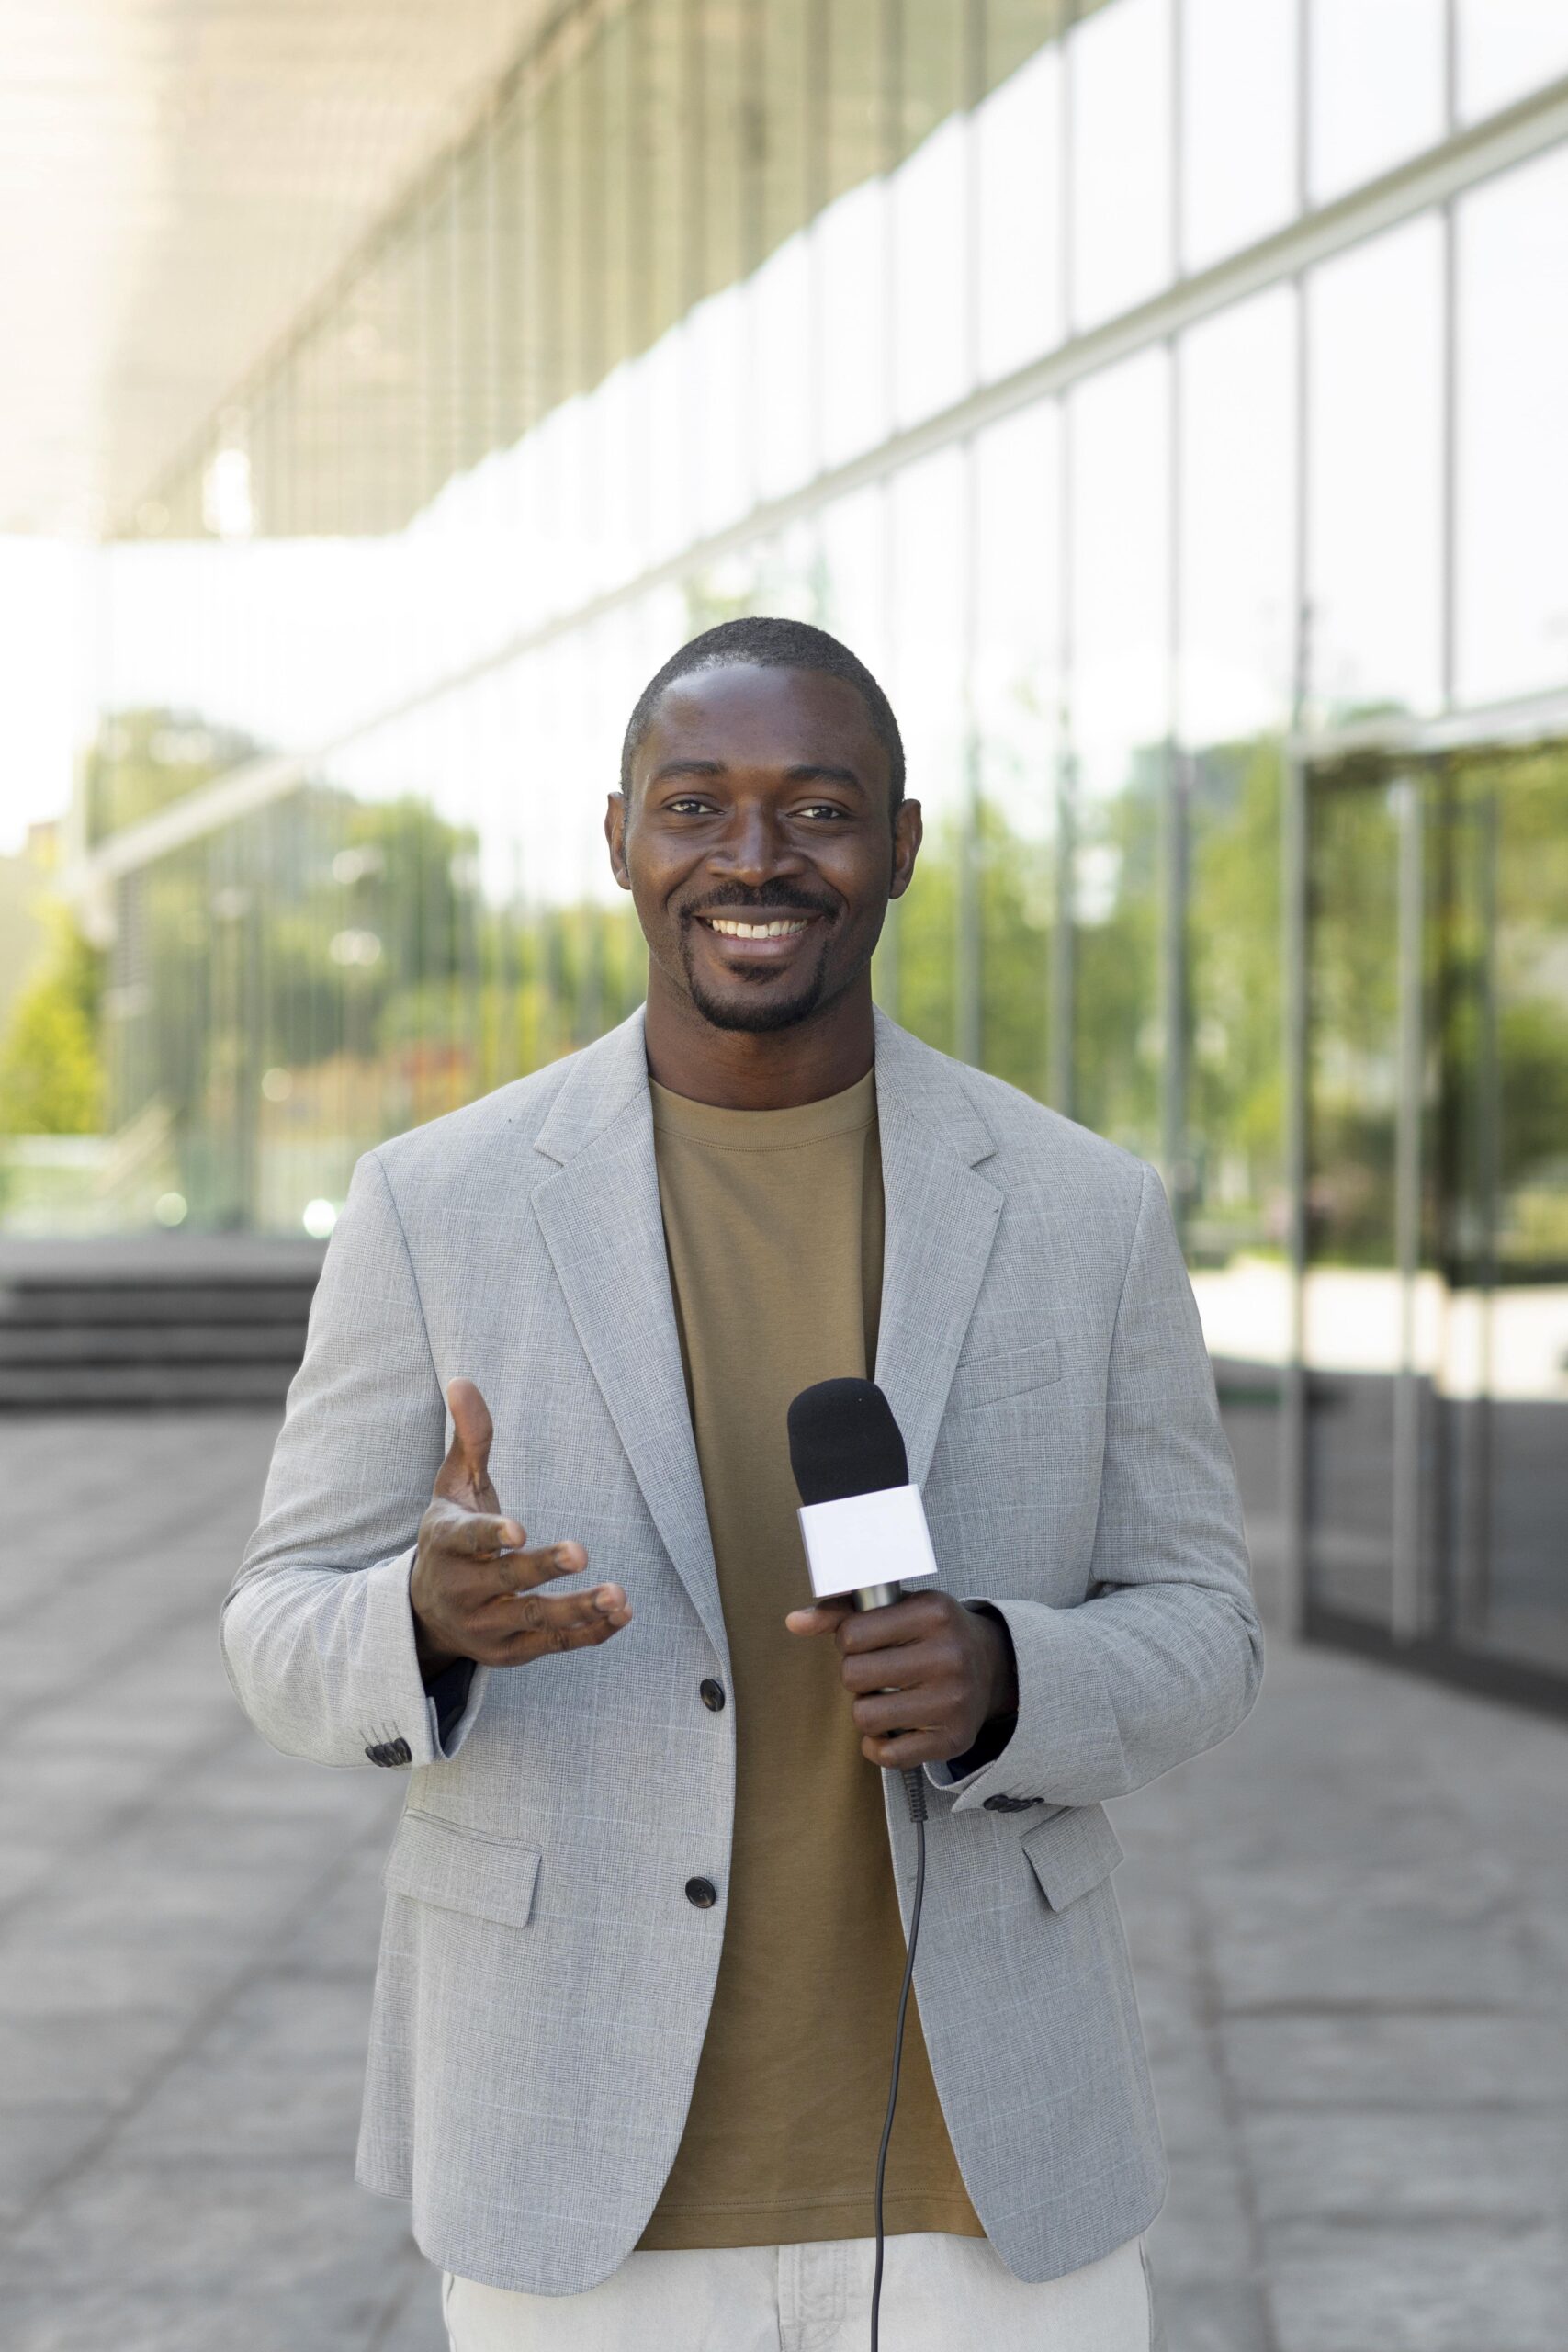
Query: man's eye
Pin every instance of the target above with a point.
(687, 800)
(822, 809)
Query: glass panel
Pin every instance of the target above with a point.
(1495, 1237)
(929, 228)
(928, 570)
(1374, 477)
(787, 124)
(1015, 689)
(1351, 1305)
(1119, 540)
(1017, 238)
(931, 76)
(1511, 576)
(1120, 85)
(1236, 513)
(1376, 87)
(858, 87)
(1238, 123)
(850, 241)
(1507, 48)
(1013, 30)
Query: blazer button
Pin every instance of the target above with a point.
(711, 1693)
(996, 1804)
(703, 1893)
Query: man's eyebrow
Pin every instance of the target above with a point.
(814, 771)
(687, 768)
(804, 772)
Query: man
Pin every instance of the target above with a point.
(648, 1900)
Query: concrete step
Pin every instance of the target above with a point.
(149, 1321)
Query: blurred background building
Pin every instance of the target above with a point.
(1165, 397)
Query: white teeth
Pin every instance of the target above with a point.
(756, 930)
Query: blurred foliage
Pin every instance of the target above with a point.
(143, 760)
(51, 1079)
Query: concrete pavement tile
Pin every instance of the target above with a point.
(1433, 2060)
(1190, 2096)
(95, 2058)
(282, 2072)
(1170, 2011)
(1313, 2165)
(1204, 2315)
(341, 1934)
(1420, 2290)
(39, 1978)
(1543, 1923)
(1312, 1938)
(212, 2231)
(334, 2316)
(37, 2144)
(1201, 2233)
(417, 2325)
(23, 1869)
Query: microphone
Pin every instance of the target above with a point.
(862, 1523)
(866, 1534)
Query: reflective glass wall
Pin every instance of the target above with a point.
(1137, 387)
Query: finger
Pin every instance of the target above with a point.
(895, 1624)
(548, 1619)
(882, 1713)
(466, 1467)
(913, 1748)
(818, 1618)
(481, 1535)
(908, 1669)
(520, 1571)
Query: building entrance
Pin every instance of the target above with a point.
(1433, 1395)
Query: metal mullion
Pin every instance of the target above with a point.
(1405, 1599)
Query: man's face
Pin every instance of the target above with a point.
(756, 842)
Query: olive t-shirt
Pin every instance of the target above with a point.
(773, 1221)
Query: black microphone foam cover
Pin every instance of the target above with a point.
(844, 1440)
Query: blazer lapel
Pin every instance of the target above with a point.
(603, 1229)
(941, 1223)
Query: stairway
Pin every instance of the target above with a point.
(152, 1320)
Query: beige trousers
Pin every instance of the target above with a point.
(939, 2293)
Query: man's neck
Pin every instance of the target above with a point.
(745, 1070)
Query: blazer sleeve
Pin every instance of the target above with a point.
(1164, 1656)
(317, 1628)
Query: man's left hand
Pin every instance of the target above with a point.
(924, 1667)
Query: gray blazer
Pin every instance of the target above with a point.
(544, 1984)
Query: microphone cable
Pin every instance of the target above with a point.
(915, 1796)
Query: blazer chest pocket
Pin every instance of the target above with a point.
(457, 1870)
(1075, 1850)
(985, 1380)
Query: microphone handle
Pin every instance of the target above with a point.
(876, 1596)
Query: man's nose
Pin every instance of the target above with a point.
(754, 848)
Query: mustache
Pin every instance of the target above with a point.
(773, 898)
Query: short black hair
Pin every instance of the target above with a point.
(769, 644)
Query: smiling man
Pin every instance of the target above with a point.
(647, 1902)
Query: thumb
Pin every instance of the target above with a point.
(466, 1467)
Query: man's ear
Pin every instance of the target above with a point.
(907, 829)
(615, 834)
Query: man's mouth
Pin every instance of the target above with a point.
(776, 927)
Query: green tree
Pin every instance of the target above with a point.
(51, 1079)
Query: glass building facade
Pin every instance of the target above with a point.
(1165, 397)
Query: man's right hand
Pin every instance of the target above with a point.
(473, 1583)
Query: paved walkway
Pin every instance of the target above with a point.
(1350, 1925)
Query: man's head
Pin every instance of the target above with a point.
(762, 785)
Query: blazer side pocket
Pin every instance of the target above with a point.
(985, 1379)
(459, 1870)
(1074, 1850)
